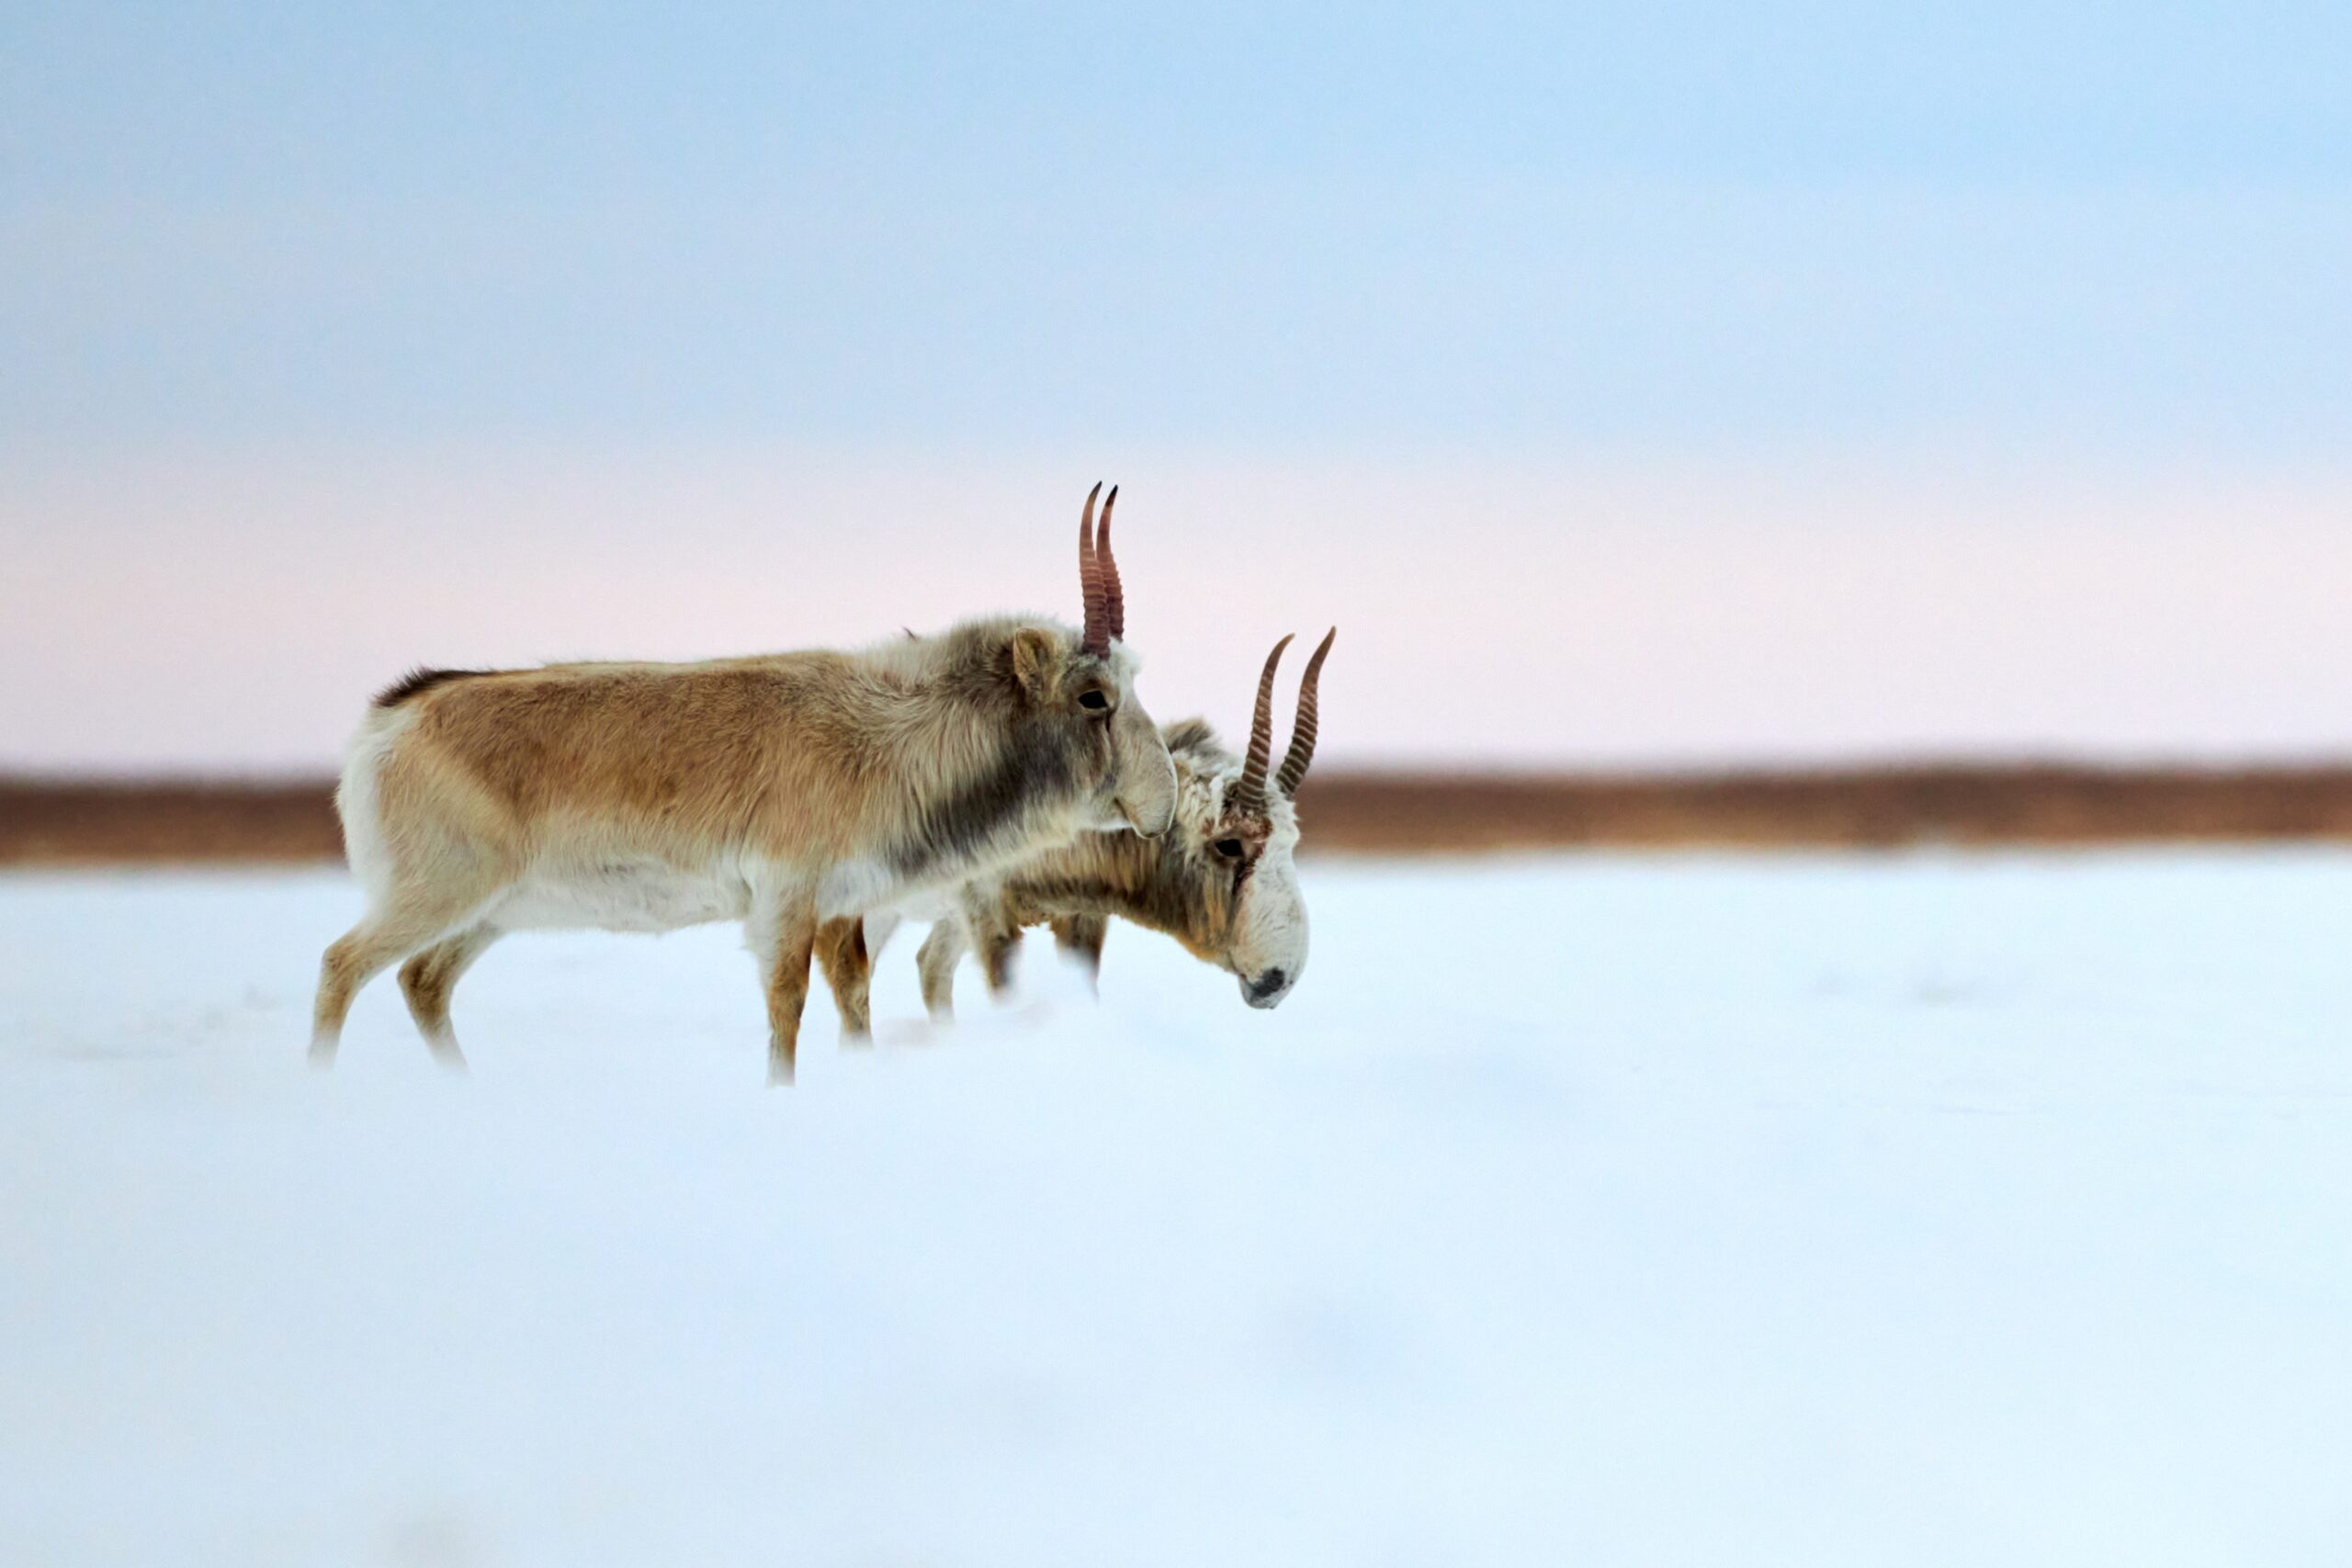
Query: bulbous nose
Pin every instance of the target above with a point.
(1267, 989)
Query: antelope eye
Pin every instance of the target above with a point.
(1229, 848)
(1094, 701)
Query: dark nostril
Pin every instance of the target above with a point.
(1267, 984)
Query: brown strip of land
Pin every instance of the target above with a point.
(52, 822)
(1853, 809)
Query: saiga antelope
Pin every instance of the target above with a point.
(781, 790)
(1222, 880)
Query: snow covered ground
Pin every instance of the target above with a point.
(1587, 1210)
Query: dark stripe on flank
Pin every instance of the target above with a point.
(1032, 769)
(419, 681)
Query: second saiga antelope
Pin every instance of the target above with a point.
(1222, 880)
(781, 790)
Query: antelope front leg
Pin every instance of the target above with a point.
(999, 948)
(785, 937)
(995, 936)
(940, 951)
(849, 970)
(1080, 937)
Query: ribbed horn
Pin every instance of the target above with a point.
(1302, 731)
(1114, 603)
(1097, 636)
(1250, 791)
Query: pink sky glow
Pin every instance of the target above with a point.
(233, 614)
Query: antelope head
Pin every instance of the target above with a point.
(1254, 920)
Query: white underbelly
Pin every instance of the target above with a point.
(623, 896)
(927, 907)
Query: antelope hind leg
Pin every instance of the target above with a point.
(427, 980)
(418, 919)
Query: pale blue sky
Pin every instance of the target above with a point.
(1458, 284)
(2112, 227)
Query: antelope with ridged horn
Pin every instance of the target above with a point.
(782, 790)
(1223, 881)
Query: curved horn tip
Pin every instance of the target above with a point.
(1301, 755)
(1096, 638)
(1115, 598)
(1249, 792)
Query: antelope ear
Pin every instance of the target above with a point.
(1190, 735)
(1032, 654)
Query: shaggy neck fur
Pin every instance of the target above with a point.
(985, 776)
